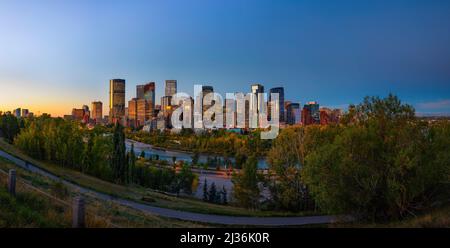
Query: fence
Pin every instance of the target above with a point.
(76, 207)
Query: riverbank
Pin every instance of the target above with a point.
(169, 154)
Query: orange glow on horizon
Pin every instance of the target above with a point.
(39, 100)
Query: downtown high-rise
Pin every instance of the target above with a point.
(280, 105)
(311, 113)
(171, 87)
(97, 111)
(256, 108)
(116, 100)
(147, 92)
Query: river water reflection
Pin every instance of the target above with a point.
(165, 154)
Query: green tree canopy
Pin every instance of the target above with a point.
(381, 163)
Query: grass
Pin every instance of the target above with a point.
(136, 193)
(33, 209)
(28, 210)
(436, 218)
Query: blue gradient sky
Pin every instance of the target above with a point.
(55, 55)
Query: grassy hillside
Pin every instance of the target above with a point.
(137, 193)
(437, 218)
(36, 206)
(33, 209)
(29, 210)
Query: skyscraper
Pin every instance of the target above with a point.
(280, 91)
(230, 114)
(144, 111)
(315, 112)
(165, 103)
(140, 91)
(171, 87)
(17, 112)
(86, 110)
(25, 113)
(293, 113)
(146, 91)
(149, 93)
(132, 112)
(139, 112)
(205, 91)
(286, 105)
(78, 114)
(97, 111)
(116, 100)
(311, 113)
(188, 109)
(257, 89)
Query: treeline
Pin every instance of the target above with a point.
(379, 163)
(95, 152)
(10, 126)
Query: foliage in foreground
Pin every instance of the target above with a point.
(9, 126)
(381, 163)
(95, 152)
(29, 210)
(246, 185)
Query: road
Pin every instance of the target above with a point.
(182, 215)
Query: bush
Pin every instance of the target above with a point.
(382, 164)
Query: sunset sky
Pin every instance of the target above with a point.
(57, 55)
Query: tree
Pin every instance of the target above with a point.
(131, 165)
(195, 158)
(246, 189)
(118, 161)
(240, 159)
(174, 159)
(212, 194)
(9, 127)
(205, 191)
(382, 164)
(88, 155)
(186, 178)
(285, 160)
(224, 196)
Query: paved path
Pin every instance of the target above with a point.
(182, 215)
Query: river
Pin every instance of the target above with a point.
(165, 154)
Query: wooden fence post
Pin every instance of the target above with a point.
(78, 213)
(12, 182)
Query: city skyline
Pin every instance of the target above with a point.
(312, 50)
(432, 105)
